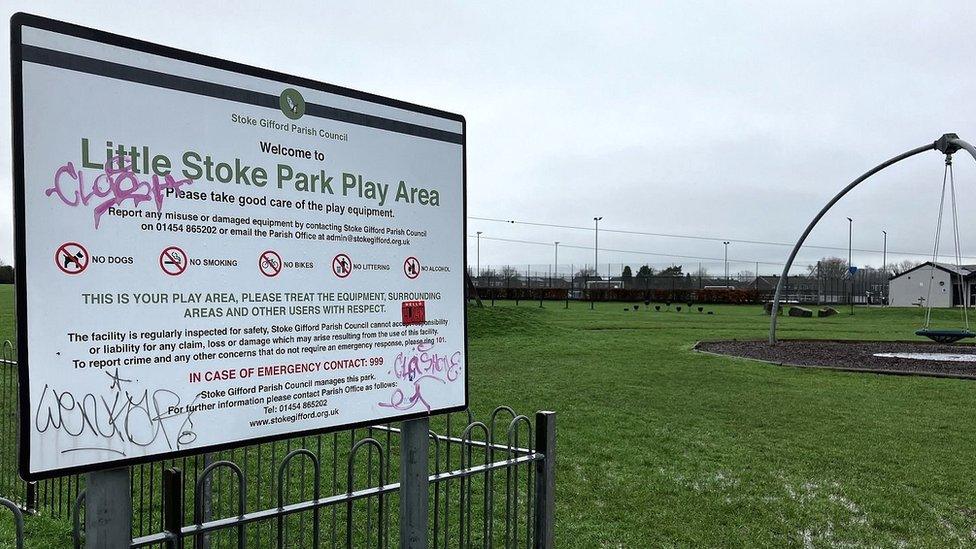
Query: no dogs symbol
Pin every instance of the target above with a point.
(341, 265)
(71, 258)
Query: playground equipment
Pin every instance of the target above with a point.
(950, 335)
(948, 144)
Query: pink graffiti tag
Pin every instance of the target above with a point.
(418, 366)
(117, 184)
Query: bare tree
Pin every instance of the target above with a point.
(828, 267)
(905, 265)
(585, 272)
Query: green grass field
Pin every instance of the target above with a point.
(660, 446)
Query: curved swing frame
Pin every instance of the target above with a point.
(947, 144)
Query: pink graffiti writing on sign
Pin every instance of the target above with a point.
(420, 367)
(112, 187)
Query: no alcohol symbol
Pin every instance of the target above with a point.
(270, 263)
(341, 265)
(71, 258)
(173, 261)
(411, 267)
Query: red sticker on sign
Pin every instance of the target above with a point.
(414, 312)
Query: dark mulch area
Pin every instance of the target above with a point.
(850, 355)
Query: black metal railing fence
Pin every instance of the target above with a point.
(339, 489)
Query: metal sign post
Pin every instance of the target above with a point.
(414, 483)
(108, 509)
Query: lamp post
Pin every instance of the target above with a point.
(850, 240)
(479, 254)
(596, 250)
(726, 264)
(884, 269)
(555, 261)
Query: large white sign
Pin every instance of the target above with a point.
(211, 255)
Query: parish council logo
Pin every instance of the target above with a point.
(292, 103)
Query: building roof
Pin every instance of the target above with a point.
(959, 270)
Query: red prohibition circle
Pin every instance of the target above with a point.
(411, 267)
(269, 263)
(341, 265)
(71, 258)
(173, 261)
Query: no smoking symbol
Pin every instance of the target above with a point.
(411, 267)
(270, 263)
(341, 266)
(173, 261)
(71, 258)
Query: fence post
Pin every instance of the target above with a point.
(108, 509)
(545, 479)
(173, 506)
(204, 540)
(414, 483)
(31, 497)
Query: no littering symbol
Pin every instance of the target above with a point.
(173, 261)
(341, 266)
(71, 258)
(270, 263)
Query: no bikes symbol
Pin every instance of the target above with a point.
(270, 263)
(173, 261)
(341, 266)
(411, 267)
(71, 258)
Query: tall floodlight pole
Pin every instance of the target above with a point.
(555, 260)
(596, 245)
(884, 268)
(726, 264)
(850, 240)
(479, 254)
(596, 250)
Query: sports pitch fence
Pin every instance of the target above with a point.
(864, 288)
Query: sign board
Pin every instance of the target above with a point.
(210, 254)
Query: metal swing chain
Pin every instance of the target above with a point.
(955, 227)
(947, 177)
(935, 249)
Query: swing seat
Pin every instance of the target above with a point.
(945, 336)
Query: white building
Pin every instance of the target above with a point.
(911, 288)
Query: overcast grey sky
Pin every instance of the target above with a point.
(727, 120)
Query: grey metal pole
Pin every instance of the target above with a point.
(806, 232)
(479, 253)
(596, 246)
(726, 264)
(850, 261)
(555, 268)
(545, 480)
(884, 269)
(414, 483)
(596, 258)
(108, 509)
